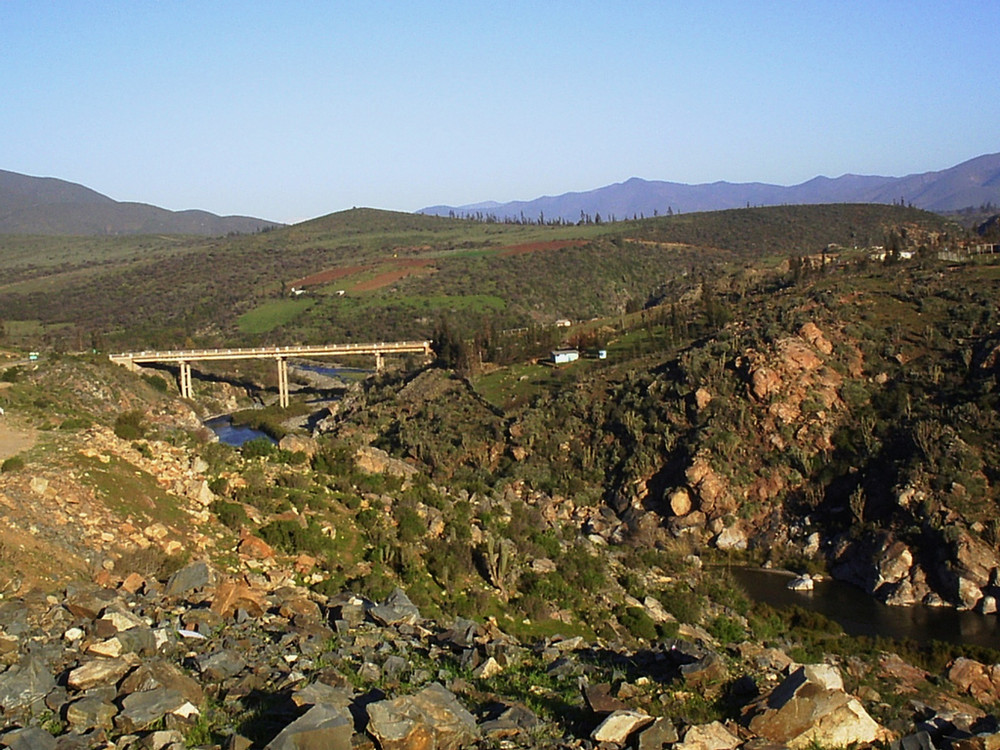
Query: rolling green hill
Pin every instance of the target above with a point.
(46, 205)
(373, 274)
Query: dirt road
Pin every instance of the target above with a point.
(13, 441)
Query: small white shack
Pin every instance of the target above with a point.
(564, 356)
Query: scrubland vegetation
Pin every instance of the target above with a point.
(772, 394)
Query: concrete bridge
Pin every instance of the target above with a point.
(184, 358)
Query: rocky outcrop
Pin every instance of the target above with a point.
(811, 708)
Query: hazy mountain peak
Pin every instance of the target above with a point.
(971, 183)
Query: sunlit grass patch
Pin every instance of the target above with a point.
(269, 315)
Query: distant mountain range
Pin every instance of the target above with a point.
(46, 205)
(971, 183)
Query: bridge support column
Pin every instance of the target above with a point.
(379, 361)
(283, 382)
(185, 377)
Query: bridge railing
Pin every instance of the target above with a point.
(281, 353)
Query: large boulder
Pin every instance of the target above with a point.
(322, 727)
(981, 681)
(811, 708)
(376, 461)
(432, 719)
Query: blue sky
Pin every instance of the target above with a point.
(293, 110)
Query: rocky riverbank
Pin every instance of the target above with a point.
(205, 660)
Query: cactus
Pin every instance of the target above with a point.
(498, 558)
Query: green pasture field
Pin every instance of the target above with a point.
(270, 315)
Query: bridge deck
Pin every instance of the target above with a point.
(271, 352)
(184, 357)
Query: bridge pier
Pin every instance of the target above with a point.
(185, 379)
(283, 399)
(184, 357)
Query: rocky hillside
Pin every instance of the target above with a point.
(846, 422)
(528, 556)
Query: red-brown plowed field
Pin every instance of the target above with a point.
(534, 247)
(401, 270)
(325, 277)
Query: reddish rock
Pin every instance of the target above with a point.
(980, 681)
(811, 333)
(254, 547)
(133, 582)
(600, 700)
(304, 563)
(231, 596)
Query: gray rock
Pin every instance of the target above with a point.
(810, 707)
(600, 700)
(708, 669)
(195, 576)
(917, 741)
(87, 601)
(396, 609)
(319, 692)
(138, 640)
(139, 710)
(462, 634)
(164, 739)
(713, 736)
(509, 719)
(24, 683)
(322, 727)
(660, 734)
(160, 673)
(394, 667)
(98, 672)
(90, 712)
(29, 738)
(220, 665)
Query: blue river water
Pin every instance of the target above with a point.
(859, 614)
(335, 372)
(234, 435)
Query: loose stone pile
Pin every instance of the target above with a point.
(200, 660)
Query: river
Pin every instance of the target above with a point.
(859, 614)
(234, 434)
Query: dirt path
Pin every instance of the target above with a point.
(14, 441)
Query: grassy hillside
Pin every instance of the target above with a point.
(376, 274)
(755, 407)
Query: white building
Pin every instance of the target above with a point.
(563, 356)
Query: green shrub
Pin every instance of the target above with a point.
(131, 425)
(333, 460)
(683, 603)
(157, 382)
(291, 537)
(411, 526)
(259, 447)
(232, 515)
(638, 623)
(75, 423)
(14, 463)
(726, 630)
(218, 485)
